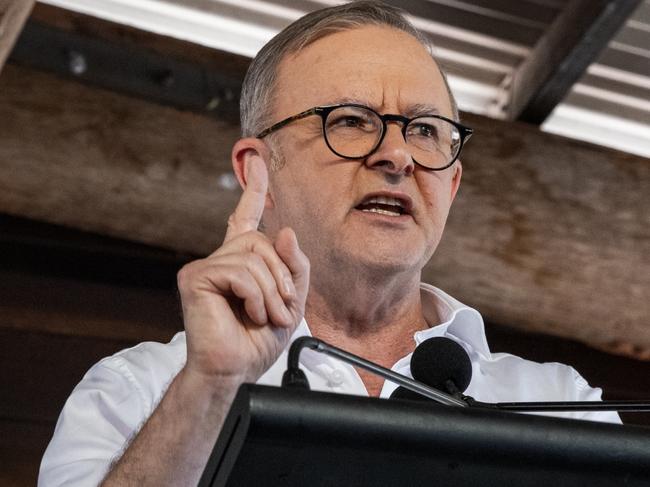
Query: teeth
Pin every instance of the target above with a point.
(382, 212)
(383, 200)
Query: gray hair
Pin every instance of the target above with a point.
(256, 101)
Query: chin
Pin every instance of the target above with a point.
(378, 255)
(383, 263)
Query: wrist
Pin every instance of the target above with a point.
(210, 386)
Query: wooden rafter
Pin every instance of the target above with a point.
(573, 41)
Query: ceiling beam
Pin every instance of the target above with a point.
(13, 14)
(561, 56)
(131, 69)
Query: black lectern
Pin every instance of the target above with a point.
(291, 437)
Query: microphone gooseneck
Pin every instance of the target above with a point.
(294, 377)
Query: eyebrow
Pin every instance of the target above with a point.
(414, 110)
(355, 101)
(422, 109)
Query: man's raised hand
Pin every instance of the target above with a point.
(242, 303)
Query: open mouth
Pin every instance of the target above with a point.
(385, 205)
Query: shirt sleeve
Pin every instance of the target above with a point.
(508, 378)
(99, 418)
(584, 392)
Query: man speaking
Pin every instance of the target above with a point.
(349, 163)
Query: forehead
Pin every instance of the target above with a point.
(380, 66)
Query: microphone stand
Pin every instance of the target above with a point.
(295, 377)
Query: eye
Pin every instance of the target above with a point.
(347, 121)
(424, 130)
(351, 121)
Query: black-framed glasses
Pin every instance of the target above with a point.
(354, 131)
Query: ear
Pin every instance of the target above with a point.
(243, 152)
(455, 179)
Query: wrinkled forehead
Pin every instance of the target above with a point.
(382, 67)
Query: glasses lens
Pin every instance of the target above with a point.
(352, 131)
(433, 142)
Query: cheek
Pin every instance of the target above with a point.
(303, 198)
(436, 195)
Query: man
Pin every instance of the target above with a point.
(349, 156)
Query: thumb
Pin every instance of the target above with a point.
(286, 245)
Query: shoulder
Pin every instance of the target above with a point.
(534, 381)
(105, 410)
(147, 368)
(509, 378)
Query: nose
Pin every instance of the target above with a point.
(392, 156)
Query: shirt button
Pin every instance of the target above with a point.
(336, 378)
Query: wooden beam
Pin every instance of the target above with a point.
(561, 56)
(115, 156)
(138, 63)
(559, 233)
(13, 14)
(131, 69)
(80, 25)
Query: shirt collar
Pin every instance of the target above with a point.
(445, 315)
(449, 317)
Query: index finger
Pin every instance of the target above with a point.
(248, 213)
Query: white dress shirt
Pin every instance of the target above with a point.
(119, 393)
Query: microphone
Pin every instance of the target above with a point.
(295, 377)
(440, 363)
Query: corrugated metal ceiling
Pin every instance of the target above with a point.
(480, 43)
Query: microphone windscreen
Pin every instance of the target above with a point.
(439, 359)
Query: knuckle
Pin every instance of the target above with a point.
(257, 238)
(251, 239)
(192, 273)
(232, 220)
(253, 260)
(244, 281)
(184, 275)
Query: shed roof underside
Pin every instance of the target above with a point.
(480, 42)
